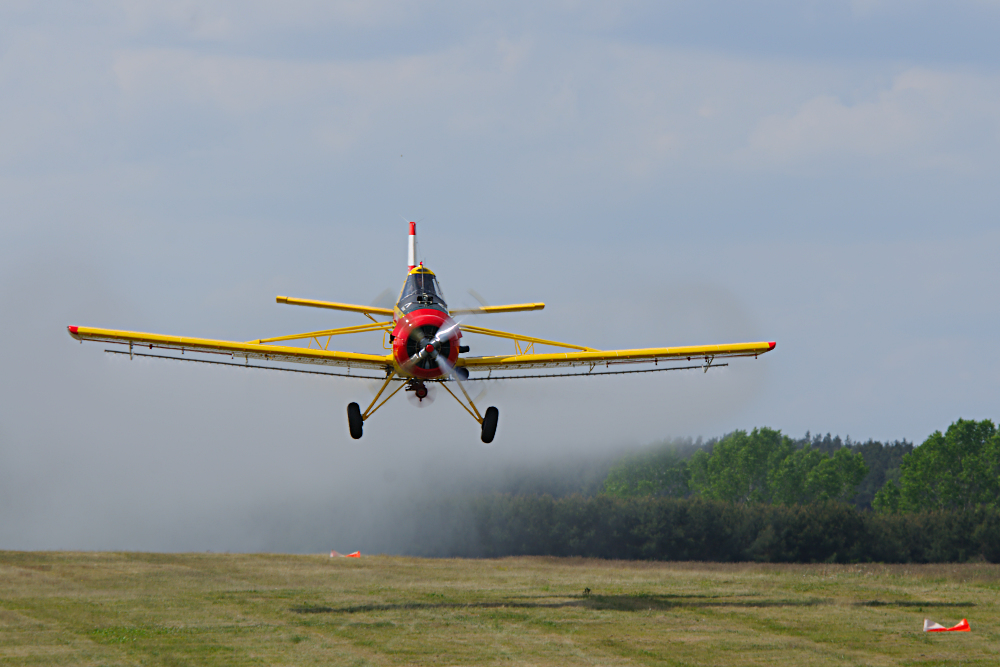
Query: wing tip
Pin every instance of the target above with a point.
(72, 331)
(771, 345)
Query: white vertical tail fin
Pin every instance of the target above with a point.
(413, 245)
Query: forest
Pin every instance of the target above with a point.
(756, 496)
(955, 470)
(762, 466)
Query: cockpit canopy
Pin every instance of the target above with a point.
(422, 287)
(422, 281)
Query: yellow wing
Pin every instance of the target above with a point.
(609, 357)
(373, 310)
(259, 349)
(366, 310)
(525, 356)
(484, 310)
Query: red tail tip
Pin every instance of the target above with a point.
(413, 229)
(771, 345)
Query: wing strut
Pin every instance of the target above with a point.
(361, 328)
(526, 339)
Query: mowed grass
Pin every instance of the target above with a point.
(219, 609)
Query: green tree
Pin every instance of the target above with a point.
(959, 469)
(789, 481)
(764, 466)
(887, 500)
(739, 469)
(883, 460)
(658, 473)
(835, 477)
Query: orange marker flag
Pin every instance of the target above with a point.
(930, 626)
(356, 554)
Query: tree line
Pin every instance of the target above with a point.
(663, 528)
(754, 496)
(953, 470)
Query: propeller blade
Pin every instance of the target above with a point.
(475, 295)
(446, 331)
(416, 358)
(385, 299)
(445, 365)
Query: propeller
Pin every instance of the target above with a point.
(429, 347)
(423, 352)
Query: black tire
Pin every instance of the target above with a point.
(462, 372)
(490, 420)
(354, 420)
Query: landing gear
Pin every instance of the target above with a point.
(420, 391)
(355, 420)
(490, 424)
(488, 420)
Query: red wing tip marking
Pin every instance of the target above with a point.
(771, 345)
(72, 330)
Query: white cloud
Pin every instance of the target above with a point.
(924, 118)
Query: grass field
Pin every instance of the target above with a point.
(219, 609)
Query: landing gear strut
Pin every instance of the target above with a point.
(356, 418)
(487, 421)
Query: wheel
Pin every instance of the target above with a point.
(490, 424)
(355, 421)
(462, 372)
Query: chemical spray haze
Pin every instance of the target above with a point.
(100, 452)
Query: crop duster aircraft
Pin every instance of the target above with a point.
(422, 343)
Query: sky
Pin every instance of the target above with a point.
(822, 174)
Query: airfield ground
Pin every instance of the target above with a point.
(219, 609)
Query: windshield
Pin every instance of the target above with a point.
(422, 282)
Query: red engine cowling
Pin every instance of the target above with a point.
(413, 332)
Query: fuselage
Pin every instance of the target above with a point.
(423, 332)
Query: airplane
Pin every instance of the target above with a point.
(424, 348)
